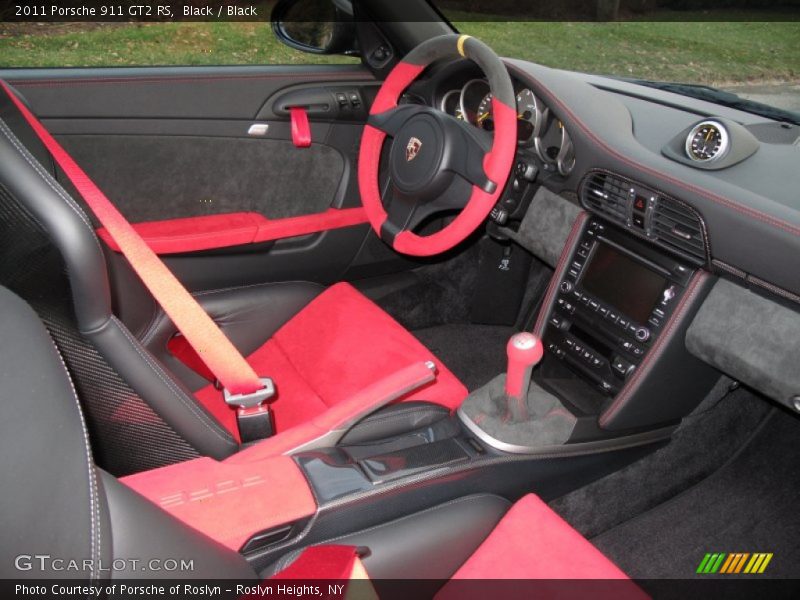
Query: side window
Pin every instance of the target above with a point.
(307, 32)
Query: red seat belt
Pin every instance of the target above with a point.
(202, 333)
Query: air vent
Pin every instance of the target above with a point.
(607, 195)
(645, 213)
(679, 228)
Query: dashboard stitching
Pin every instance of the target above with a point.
(655, 352)
(786, 226)
(752, 279)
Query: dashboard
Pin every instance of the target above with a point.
(594, 139)
(671, 178)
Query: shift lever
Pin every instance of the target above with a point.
(524, 352)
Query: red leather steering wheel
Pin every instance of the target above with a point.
(436, 162)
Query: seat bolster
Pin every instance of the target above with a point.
(533, 542)
(249, 316)
(167, 396)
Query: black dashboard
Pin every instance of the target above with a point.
(677, 190)
(720, 185)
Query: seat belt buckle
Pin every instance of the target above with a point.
(253, 414)
(253, 399)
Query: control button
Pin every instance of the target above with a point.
(597, 362)
(578, 349)
(577, 264)
(637, 350)
(621, 366)
(659, 313)
(570, 343)
(638, 221)
(603, 311)
(605, 386)
(586, 246)
(654, 321)
(623, 322)
(499, 215)
(569, 307)
(642, 334)
(612, 316)
(632, 329)
(566, 286)
(355, 99)
(527, 171)
(587, 355)
(573, 273)
(586, 300)
(341, 98)
(594, 304)
(583, 253)
(577, 294)
(668, 295)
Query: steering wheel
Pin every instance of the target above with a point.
(436, 162)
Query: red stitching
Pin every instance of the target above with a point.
(656, 351)
(560, 267)
(785, 225)
(184, 78)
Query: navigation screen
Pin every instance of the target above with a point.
(622, 282)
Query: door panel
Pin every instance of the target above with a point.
(168, 177)
(167, 143)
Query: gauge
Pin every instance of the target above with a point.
(527, 113)
(543, 135)
(706, 141)
(472, 95)
(451, 104)
(565, 159)
(483, 117)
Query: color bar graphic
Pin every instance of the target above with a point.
(733, 563)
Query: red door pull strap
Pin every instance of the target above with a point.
(208, 340)
(301, 130)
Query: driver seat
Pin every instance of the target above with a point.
(145, 407)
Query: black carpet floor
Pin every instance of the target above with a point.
(750, 504)
(474, 353)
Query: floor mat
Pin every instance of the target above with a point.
(700, 446)
(474, 353)
(749, 505)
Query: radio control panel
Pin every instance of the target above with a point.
(613, 302)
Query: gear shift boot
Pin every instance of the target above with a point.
(513, 413)
(547, 423)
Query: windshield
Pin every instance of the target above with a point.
(755, 63)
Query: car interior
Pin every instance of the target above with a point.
(436, 316)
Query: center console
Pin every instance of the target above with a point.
(612, 304)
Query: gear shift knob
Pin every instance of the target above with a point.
(524, 351)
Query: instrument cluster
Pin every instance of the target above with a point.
(537, 127)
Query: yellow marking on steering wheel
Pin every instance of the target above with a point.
(460, 44)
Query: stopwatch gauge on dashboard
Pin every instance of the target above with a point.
(537, 127)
